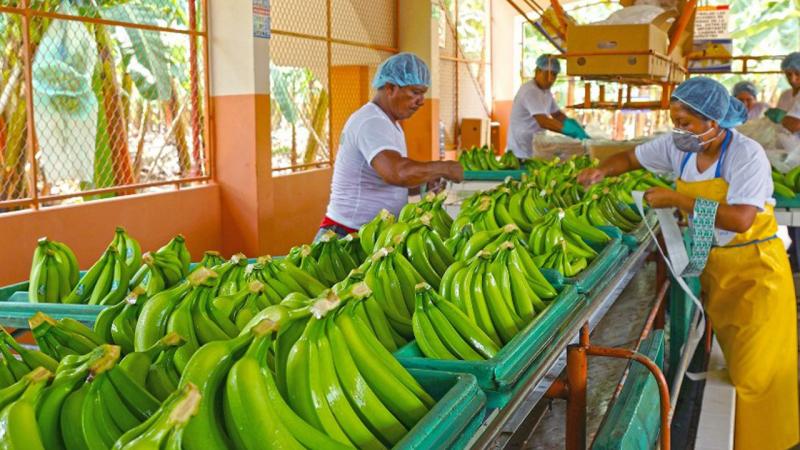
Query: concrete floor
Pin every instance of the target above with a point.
(620, 328)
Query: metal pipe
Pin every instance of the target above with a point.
(122, 187)
(27, 59)
(577, 368)
(680, 26)
(559, 389)
(654, 312)
(663, 390)
(26, 11)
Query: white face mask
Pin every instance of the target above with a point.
(688, 142)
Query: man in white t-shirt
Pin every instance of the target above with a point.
(534, 109)
(787, 112)
(372, 169)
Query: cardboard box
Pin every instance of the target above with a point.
(474, 132)
(625, 48)
(606, 150)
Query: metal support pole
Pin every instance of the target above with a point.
(577, 368)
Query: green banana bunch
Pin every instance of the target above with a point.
(252, 398)
(105, 283)
(790, 180)
(348, 385)
(163, 375)
(442, 331)
(129, 248)
(161, 269)
(482, 158)
(210, 259)
(509, 161)
(32, 358)
(208, 369)
(166, 428)
(282, 277)
(18, 427)
(333, 262)
(433, 204)
(455, 243)
(241, 307)
(137, 364)
(369, 232)
(178, 245)
(107, 318)
(54, 272)
(69, 378)
(63, 337)
(500, 290)
(560, 259)
(481, 214)
(351, 244)
(231, 274)
(156, 312)
(302, 257)
(549, 231)
(426, 252)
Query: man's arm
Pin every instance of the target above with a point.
(549, 123)
(791, 123)
(398, 170)
(559, 116)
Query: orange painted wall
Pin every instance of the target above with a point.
(299, 205)
(349, 91)
(152, 219)
(243, 171)
(422, 132)
(501, 112)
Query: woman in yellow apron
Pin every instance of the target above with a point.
(747, 281)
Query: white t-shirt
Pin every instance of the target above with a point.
(789, 102)
(530, 100)
(744, 166)
(358, 193)
(757, 110)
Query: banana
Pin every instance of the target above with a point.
(102, 324)
(467, 328)
(155, 313)
(166, 429)
(70, 419)
(247, 406)
(418, 258)
(207, 370)
(163, 376)
(426, 337)
(455, 343)
(123, 326)
(18, 368)
(326, 388)
(502, 317)
(18, 427)
(129, 249)
(97, 428)
(482, 315)
(137, 364)
(103, 285)
(33, 358)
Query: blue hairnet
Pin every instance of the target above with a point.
(791, 62)
(402, 69)
(745, 86)
(709, 98)
(548, 63)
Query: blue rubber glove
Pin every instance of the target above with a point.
(572, 128)
(774, 114)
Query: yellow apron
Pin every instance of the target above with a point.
(750, 300)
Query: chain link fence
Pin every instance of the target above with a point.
(323, 54)
(99, 99)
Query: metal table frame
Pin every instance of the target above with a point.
(501, 425)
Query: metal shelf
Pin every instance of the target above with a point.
(501, 425)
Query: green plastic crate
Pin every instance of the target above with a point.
(16, 309)
(609, 258)
(492, 175)
(783, 202)
(7, 291)
(506, 369)
(457, 415)
(633, 420)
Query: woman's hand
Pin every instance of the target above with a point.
(590, 176)
(659, 197)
